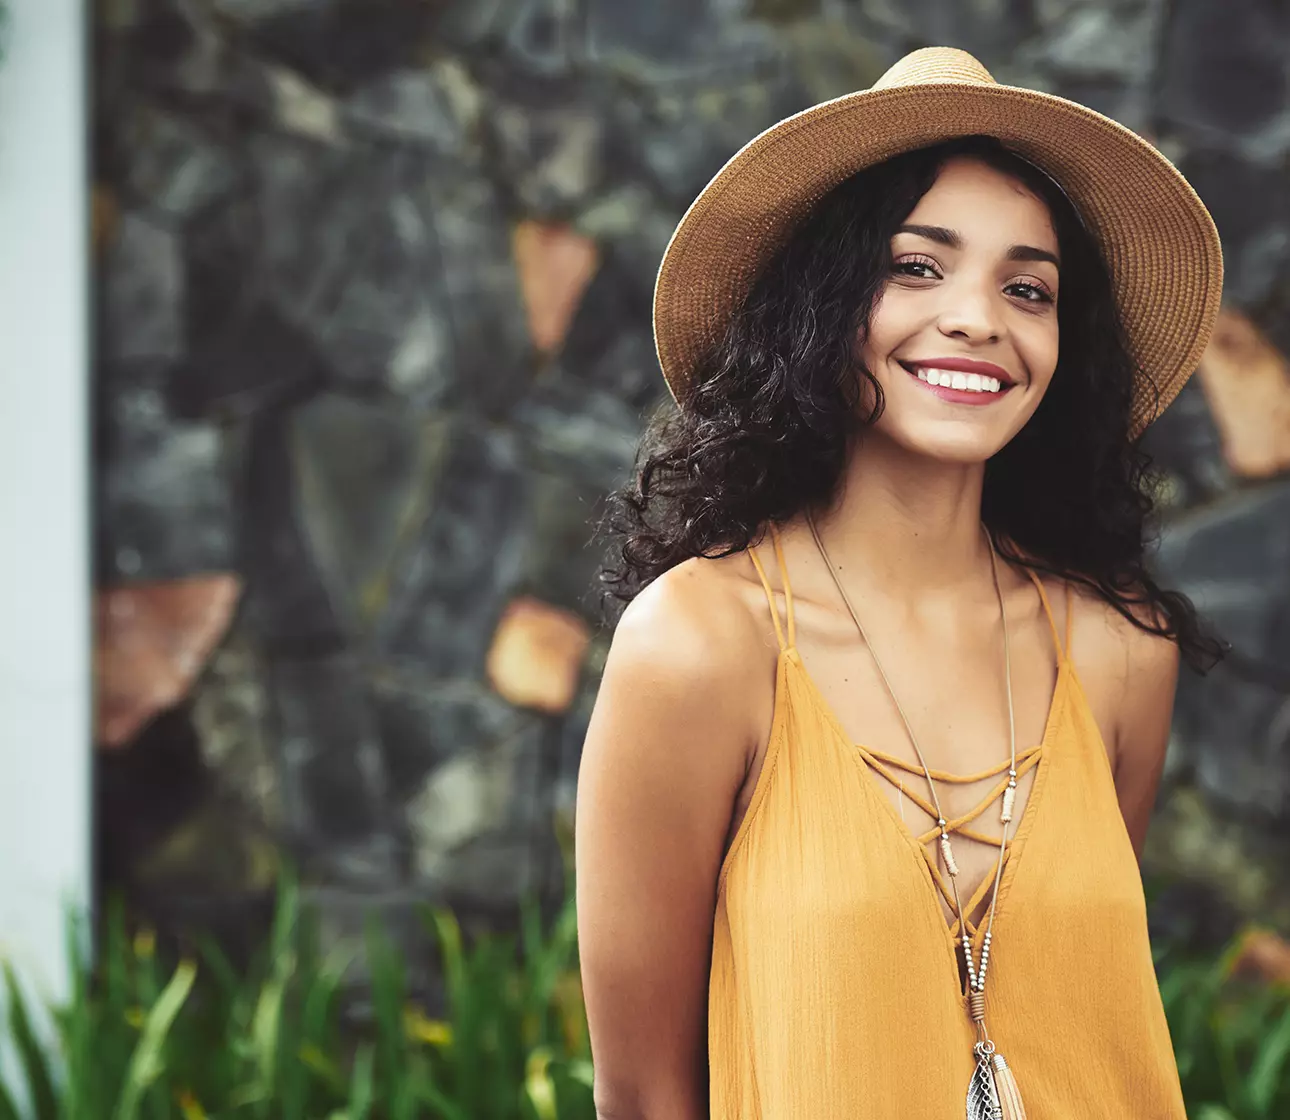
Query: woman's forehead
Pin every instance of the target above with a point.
(972, 197)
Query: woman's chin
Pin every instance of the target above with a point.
(961, 442)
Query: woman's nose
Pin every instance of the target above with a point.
(971, 314)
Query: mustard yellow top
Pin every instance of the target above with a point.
(835, 989)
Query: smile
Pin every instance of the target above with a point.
(980, 385)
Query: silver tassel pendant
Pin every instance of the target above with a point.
(982, 1099)
(992, 1092)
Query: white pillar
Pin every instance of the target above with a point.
(44, 499)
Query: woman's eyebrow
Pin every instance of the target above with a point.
(939, 234)
(954, 240)
(1030, 253)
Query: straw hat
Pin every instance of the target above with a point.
(1158, 239)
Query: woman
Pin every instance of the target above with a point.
(892, 692)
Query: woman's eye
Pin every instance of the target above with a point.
(1031, 293)
(924, 270)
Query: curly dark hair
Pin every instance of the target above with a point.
(765, 428)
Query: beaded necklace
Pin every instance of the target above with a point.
(992, 1091)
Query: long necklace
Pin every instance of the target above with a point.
(992, 1092)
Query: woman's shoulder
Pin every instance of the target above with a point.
(1128, 674)
(687, 672)
(700, 617)
(1113, 639)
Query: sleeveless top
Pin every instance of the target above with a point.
(835, 987)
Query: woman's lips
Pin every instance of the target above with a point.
(981, 371)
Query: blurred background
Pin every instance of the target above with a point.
(371, 343)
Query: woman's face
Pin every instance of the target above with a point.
(963, 339)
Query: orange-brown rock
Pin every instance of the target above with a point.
(1247, 382)
(151, 640)
(555, 265)
(1266, 955)
(536, 655)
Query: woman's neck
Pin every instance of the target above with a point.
(908, 524)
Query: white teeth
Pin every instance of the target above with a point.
(970, 382)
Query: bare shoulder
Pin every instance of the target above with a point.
(690, 652)
(1105, 643)
(696, 618)
(1129, 674)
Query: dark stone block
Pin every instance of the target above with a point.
(1185, 442)
(1251, 207)
(365, 474)
(400, 269)
(551, 157)
(142, 292)
(478, 26)
(492, 353)
(681, 135)
(439, 107)
(165, 45)
(144, 792)
(545, 36)
(425, 723)
(482, 824)
(631, 223)
(1232, 734)
(1223, 72)
(163, 506)
(287, 603)
(993, 30)
(1233, 558)
(1101, 47)
(565, 553)
(673, 39)
(261, 361)
(220, 250)
(333, 776)
(610, 345)
(341, 44)
(1233, 561)
(468, 557)
(172, 164)
(577, 432)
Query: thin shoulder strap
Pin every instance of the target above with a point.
(1070, 615)
(788, 587)
(770, 594)
(1062, 647)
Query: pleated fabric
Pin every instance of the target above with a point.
(835, 987)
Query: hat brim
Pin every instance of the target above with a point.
(1159, 241)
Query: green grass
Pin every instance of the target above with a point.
(1231, 1038)
(196, 1038)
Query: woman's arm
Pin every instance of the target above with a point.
(664, 756)
(1142, 731)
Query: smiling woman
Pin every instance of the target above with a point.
(914, 334)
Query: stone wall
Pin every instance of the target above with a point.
(374, 341)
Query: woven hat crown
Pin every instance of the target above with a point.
(933, 65)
